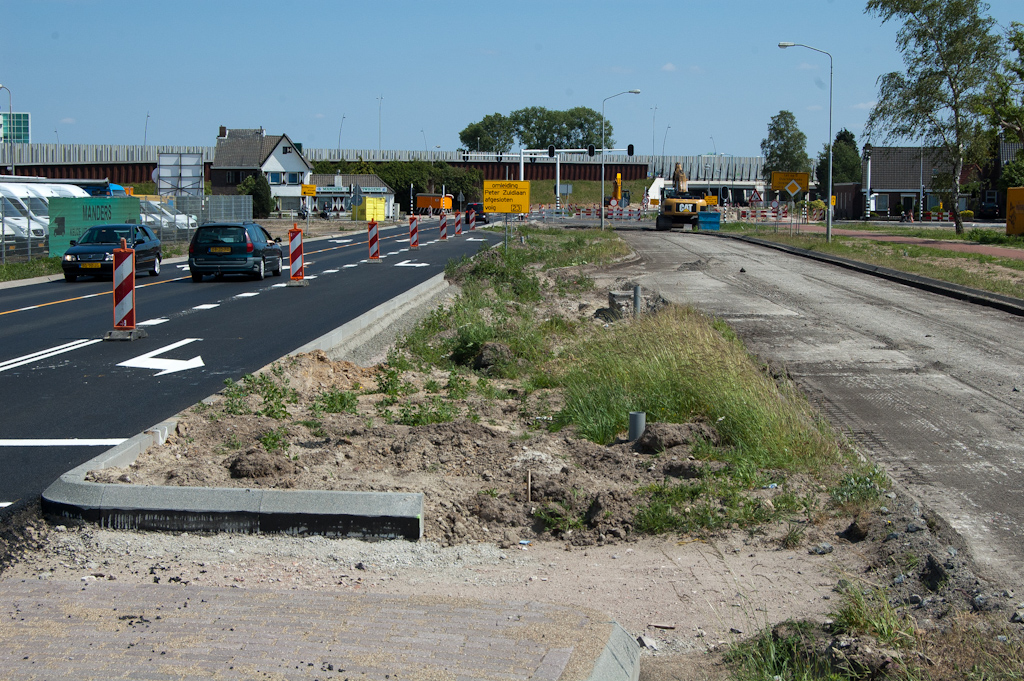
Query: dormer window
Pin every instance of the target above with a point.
(286, 150)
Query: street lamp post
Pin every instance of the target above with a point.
(380, 104)
(654, 118)
(828, 205)
(663, 140)
(424, 141)
(10, 123)
(339, 135)
(145, 133)
(624, 92)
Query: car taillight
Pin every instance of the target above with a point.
(248, 243)
(192, 247)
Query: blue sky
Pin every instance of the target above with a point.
(91, 71)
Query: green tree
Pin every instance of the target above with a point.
(493, 133)
(1012, 175)
(949, 53)
(785, 148)
(1005, 97)
(262, 200)
(845, 160)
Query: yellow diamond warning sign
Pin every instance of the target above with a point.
(506, 197)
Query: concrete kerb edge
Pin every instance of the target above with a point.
(620, 659)
(1003, 303)
(376, 514)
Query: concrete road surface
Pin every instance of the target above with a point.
(929, 386)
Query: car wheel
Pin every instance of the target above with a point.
(70, 277)
(197, 276)
(277, 272)
(261, 271)
(154, 271)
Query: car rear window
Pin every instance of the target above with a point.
(220, 235)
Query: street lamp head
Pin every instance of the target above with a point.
(634, 92)
(783, 46)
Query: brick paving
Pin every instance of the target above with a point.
(106, 630)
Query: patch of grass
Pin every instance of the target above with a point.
(432, 386)
(794, 536)
(275, 440)
(434, 410)
(37, 267)
(697, 507)
(335, 402)
(391, 384)
(457, 386)
(273, 389)
(559, 517)
(767, 657)
(490, 492)
(870, 612)
(315, 426)
(856, 490)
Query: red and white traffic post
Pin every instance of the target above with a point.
(444, 226)
(458, 223)
(472, 220)
(414, 232)
(295, 252)
(371, 233)
(124, 296)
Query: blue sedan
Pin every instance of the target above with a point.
(93, 252)
(234, 248)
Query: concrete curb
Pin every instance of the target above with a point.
(994, 300)
(216, 509)
(620, 659)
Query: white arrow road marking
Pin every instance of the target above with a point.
(183, 267)
(43, 354)
(153, 322)
(410, 263)
(69, 442)
(207, 306)
(5, 504)
(166, 366)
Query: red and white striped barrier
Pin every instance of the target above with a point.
(124, 288)
(472, 220)
(414, 232)
(938, 216)
(458, 223)
(444, 227)
(295, 253)
(371, 238)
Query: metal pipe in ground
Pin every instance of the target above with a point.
(637, 423)
(636, 300)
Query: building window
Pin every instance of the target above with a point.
(293, 178)
(229, 177)
(275, 178)
(882, 203)
(286, 150)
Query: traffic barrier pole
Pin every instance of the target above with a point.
(124, 288)
(458, 223)
(444, 226)
(371, 230)
(414, 232)
(472, 220)
(295, 252)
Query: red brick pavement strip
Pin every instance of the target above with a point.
(958, 246)
(106, 630)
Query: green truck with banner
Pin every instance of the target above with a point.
(69, 218)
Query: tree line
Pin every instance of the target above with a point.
(535, 127)
(424, 177)
(961, 89)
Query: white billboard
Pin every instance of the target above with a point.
(179, 175)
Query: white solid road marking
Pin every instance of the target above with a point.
(30, 307)
(69, 442)
(153, 322)
(43, 354)
(394, 253)
(279, 286)
(250, 294)
(5, 504)
(207, 306)
(166, 366)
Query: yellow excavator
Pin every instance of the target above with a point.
(678, 205)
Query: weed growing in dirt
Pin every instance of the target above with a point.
(779, 657)
(335, 402)
(274, 440)
(457, 386)
(434, 410)
(870, 612)
(559, 517)
(859, 489)
(315, 426)
(273, 389)
(392, 386)
(794, 536)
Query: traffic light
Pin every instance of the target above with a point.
(551, 151)
(629, 150)
(590, 150)
(465, 157)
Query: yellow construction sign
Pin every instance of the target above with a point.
(780, 180)
(506, 196)
(309, 190)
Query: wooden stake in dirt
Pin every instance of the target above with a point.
(529, 486)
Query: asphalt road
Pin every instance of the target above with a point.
(930, 387)
(60, 408)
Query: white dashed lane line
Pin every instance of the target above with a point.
(207, 306)
(248, 294)
(153, 322)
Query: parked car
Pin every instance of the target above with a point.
(988, 210)
(234, 248)
(477, 208)
(93, 252)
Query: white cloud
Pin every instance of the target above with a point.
(669, 67)
(865, 105)
(68, 121)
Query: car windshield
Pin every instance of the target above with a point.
(38, 206)
(15, 207)
(220, 235)
(105, 235)
(9, 209)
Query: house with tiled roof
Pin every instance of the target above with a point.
(334, 192)
(242, 152)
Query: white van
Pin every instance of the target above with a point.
(24, 219)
